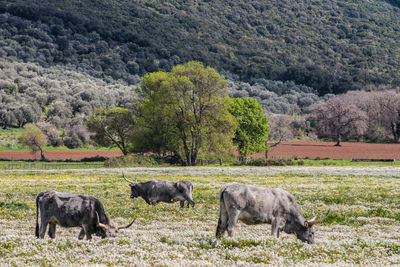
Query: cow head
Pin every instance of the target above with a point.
(306, 234)
(105, 230)
(133, 185)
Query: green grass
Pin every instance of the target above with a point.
(344, 162)
(362, 228)
(31, 165)
(39, 165)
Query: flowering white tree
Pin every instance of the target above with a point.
(339, 117)
(382, 106)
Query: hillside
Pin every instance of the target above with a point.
(331, 46)
(58, 98)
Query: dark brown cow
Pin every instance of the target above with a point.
(71, 210)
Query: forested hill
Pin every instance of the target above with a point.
(330, 45)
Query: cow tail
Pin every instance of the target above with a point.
(37, 216)
(222, 210)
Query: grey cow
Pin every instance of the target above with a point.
(71, 210)
(155, 191)
(257, 205)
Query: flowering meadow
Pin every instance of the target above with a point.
(363, 227)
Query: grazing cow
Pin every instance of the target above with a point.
(257, 205)
(71, 210)
(163, 191)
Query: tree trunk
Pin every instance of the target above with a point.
(193, 159)
(396, 131)
(42, 156)
(339, 139)
(188, 157)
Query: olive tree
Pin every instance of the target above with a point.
(33, 137)
(112, 127)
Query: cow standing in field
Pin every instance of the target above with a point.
(71, 210)
(256, 205)
(163, 191)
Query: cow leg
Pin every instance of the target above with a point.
(87, 232)
(274, 228)
(222, 223)
(43, 226)
(191, 202)
(277, 226)
(81, 234)
(52, 230)
(233, 218)
(182, 202)
(189, 199)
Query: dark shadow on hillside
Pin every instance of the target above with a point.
(395, 3)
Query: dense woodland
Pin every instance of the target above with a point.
(60, 61)
(331, 46)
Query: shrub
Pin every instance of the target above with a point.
(130, 160)
(171, 160)
(269, 162)
(214, 158)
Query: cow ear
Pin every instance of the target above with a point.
(306, 224)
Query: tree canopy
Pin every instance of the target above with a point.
(252, 126)
(112, 127)
(339, 117)
(185, 111)
(33, 137)
(332, 46)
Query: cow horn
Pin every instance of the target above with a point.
(99, 224)
(127, 226)
(315, 221)
(127, 179)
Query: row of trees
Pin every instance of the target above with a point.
(369, 115)
(178, 112)
(185, 112)
(372, 115)
(59, 101)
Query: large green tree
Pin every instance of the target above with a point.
(112, 127)
(33, 137)
(185, 111)
(252, 129)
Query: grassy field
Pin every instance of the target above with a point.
(363, 227)
(40, 165)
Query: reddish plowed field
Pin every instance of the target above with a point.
(301, 149)
(312, 150)
(59, 155)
